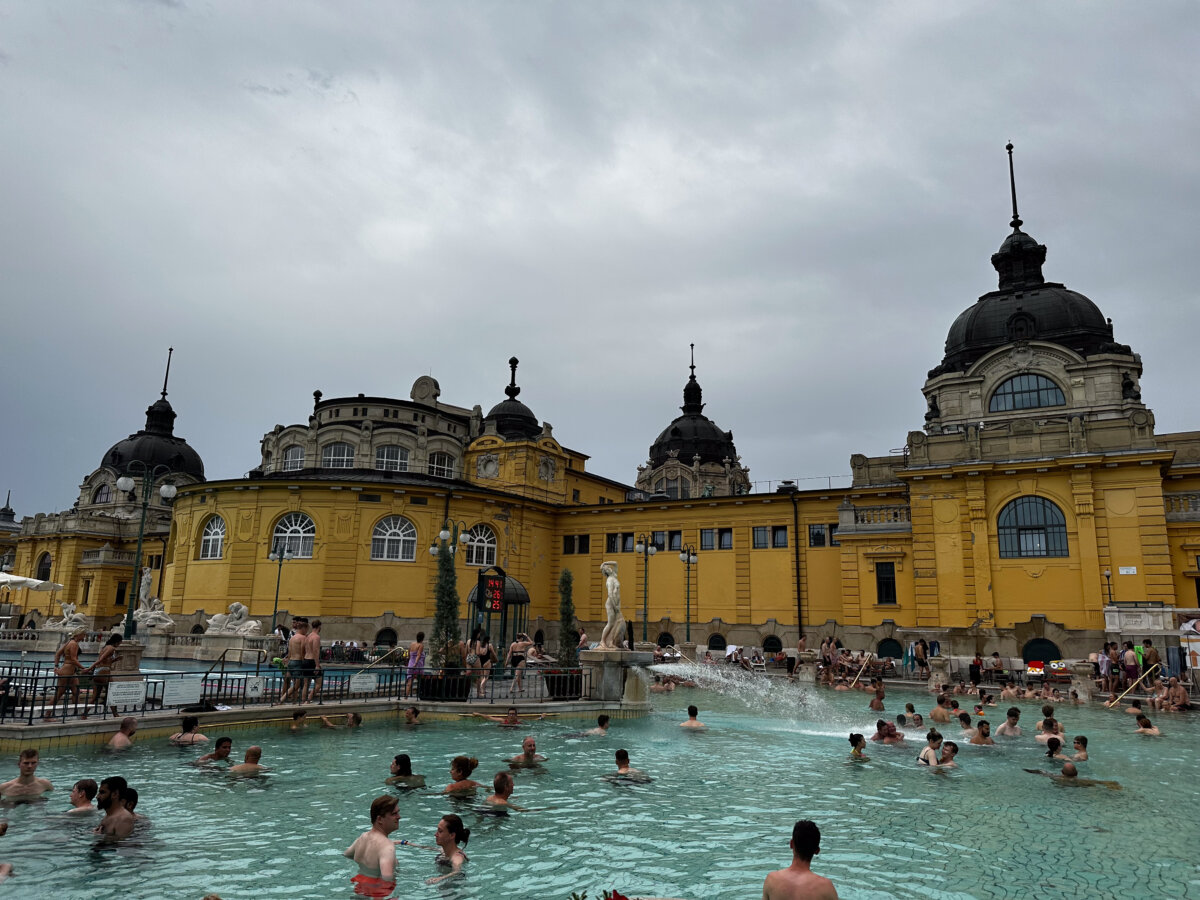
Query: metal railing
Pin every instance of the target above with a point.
(32, 693)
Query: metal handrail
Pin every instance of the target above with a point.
(378, 661)
(258, 661)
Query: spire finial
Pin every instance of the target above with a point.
(512, 390)
(170, 350)
(693, 365)
(8, 498)
(1012, 184)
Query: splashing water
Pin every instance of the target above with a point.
(772, 695)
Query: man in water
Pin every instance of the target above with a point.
(692, 721)
(412, 716)
(941, 712)
(1145, 727)
(1010, 728)
(352, 720)
(601, 728)
(983, 734)
(1070, 777)
(26, 785)
(299, 720)
(123, 739)
(82, 795)
(220, 753)
(528, 757)
(798, 881)
(118, 821)
(624, 770)
(499, 804)
(250, 766)
(373, 850)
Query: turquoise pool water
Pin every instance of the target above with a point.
(714, 820)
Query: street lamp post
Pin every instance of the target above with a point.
(645, 546)
(1108, 579)
(127, 483)
(281, 554)
(688, 557)
(452, 536)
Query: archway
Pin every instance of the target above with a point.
(772, 644)
(716, 642)
(890, 647)
(1040, 650)
(43, 567)
(197, 629)
(386, 637)
(665, 639)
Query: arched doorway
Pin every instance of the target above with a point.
(890, 647)
(539, 637)
(386, 637)
(1040, 650)
(197, 629)
(772, 644)
(43, 567)
(716, 642)
(665, 639)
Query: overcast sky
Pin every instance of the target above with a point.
(345, 196)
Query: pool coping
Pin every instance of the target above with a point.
(96, 732)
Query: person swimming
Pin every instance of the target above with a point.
(450, 833)
(858, 744)
(402, 773)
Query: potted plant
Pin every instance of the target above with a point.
(446, 680)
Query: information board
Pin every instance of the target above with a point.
(363, 683)
(127, 693)
(255, 687)
(182, 691)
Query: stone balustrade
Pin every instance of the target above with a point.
(1183, 507)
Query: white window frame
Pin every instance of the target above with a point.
(293, 458)
(441, 464)
(337, 455)
(482, 549)
(212, 538)
(295, 532)
(394, 539)
(391, 458)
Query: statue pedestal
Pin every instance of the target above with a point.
(806, 667)
(611, 676)
(939, 666)
(129, 658)
(688, 649)
(1083, 679)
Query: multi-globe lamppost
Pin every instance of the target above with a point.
(645, 546)
(126, 483)
(281, 554)
(688, 557)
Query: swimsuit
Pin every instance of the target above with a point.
(415, 664)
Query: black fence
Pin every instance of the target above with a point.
(34, 693)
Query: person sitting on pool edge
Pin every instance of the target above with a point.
(798, 881)
(402, 773)
(374, 851)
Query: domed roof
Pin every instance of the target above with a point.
(693, 433)
(156, 444)
(1025, 308)
(514, 420)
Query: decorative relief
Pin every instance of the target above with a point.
(487, 466)
(245, 525)
(546, 469)
(342, 526)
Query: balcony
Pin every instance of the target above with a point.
(873, 519)
(106, 556)
(1182, 507)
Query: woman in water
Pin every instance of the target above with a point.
(1054, 749)
(858, 744)
(929, 756)
(460, 770)
(189, 734)
(416, 662)
(450, 833)
(402, 773)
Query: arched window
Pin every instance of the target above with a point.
(1032, 526)
(338, 455)
(295, 534)
(665, 639)
(772, 644)
(716, 642)
(482, 550)
(103, 494)
(1026, 392)
(394, 538)
(442, 466)
(890, 647)
(386, 637)
(1040, 650)
(212, 538)
(293, 458)
(43, 567)
(391, 458)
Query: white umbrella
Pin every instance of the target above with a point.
(16, 582)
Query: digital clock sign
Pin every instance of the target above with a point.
(491, 587)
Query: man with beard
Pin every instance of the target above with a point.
(118, 821)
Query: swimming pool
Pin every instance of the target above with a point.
(715, 819)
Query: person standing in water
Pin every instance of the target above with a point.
(374, 851)
(450, 833)
(798, 881)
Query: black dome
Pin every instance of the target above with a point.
(156, 444)
(693, 433)
(514, 420)
(1026, 308)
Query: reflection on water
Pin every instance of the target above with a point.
(713, 821)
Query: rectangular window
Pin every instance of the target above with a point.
(660, 540)
(627, 543)
(568, 544)
(816, 535)
(122, 587)
(575, 496)
(885, 583)
(725, 538)
(676, 540)
(583, 543)
(87, 590)
(761, 537)
(778, 536)
(833, 541)
(708, 539)
(619, 543)
(391, 458)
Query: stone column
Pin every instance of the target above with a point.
(1083, 679)
(610, 674)
(938, 667)
(806, 667)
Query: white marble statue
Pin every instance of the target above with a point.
(614, 629)
(70, 621)
(151, 614)
(236, 621)
(144, 589)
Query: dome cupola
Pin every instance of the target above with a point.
(693, 433)
(514, 420)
